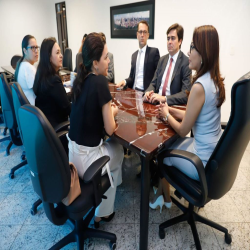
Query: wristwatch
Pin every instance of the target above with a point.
(166, 118)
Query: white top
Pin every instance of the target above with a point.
(207, 127)
(26, 77)
(175, 56)
(140, 67)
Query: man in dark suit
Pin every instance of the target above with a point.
(144, 61)
(172, 76)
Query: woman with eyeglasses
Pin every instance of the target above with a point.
(51, 96)
(25, 70)
(203, 111)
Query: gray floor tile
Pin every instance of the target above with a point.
(124, 208)
(185, 240)
(35, 237)
(154, 242)
(15, 208)
(242, 201)
(240, 236)
(7, 235)
(223, 210)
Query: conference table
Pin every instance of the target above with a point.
(8, 69)
(140, 131)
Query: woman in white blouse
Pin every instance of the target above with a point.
(25, 70)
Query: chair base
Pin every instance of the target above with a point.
(7, 138)
(12, 171)
(81, 232)
(33, 210)
(191, 217)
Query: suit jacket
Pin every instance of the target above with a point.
(151, 60)
(111, 73)
(180, 81)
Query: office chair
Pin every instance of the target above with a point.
(10, 120)
(50, 175)
(67, 59)
(217, 178)
(14, 60)
(19, 99)
(78, 61)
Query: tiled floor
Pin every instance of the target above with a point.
(20, 230)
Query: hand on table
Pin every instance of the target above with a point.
(154, 98)
(147, 96)
(121, 84)
(163, 110)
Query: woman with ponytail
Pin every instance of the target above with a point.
(93, 113)
(25, 70)
(51, 96)
(203, 112)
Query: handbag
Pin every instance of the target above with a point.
(75, 189)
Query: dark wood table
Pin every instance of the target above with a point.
(140, 131)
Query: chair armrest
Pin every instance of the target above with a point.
(61, 126)
(94, 175)
(95, 168)
(62, 133)
(196, 161)
(223, 125)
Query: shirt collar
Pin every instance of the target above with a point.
(143, 49)
(175, 56)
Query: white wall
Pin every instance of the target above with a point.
(230, 17)
(21, 17)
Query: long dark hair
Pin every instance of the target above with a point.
(92, 50)
(45, 68)
(25, 43)
(206, 40)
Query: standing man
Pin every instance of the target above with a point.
(144, 61)
(111, 71)
(172, 76)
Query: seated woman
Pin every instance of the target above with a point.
(203, 112)
(92, 112)
(25, 70)
(51, 96)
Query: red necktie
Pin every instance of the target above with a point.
(166, 80)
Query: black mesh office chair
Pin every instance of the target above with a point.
(78, 61)
(67, 59)
(221, 170)
(10, 120)
(14, 60)
(50, 175)
(19, 99)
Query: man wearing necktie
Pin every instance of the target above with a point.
(144, 61)
(172, 76)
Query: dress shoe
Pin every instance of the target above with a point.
(97, 224)
(168, 204)
(159, 202)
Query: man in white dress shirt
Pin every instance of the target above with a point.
(172, 76)
(144, 61)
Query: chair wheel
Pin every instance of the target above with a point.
(112, 245)
(228, 238)
(11, 175)
(33, 211)
(23, 158)
(4, 132)
(161, 233)
(7, 152)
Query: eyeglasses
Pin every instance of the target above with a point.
(142, 32)
(193, 47)
(34, 48)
